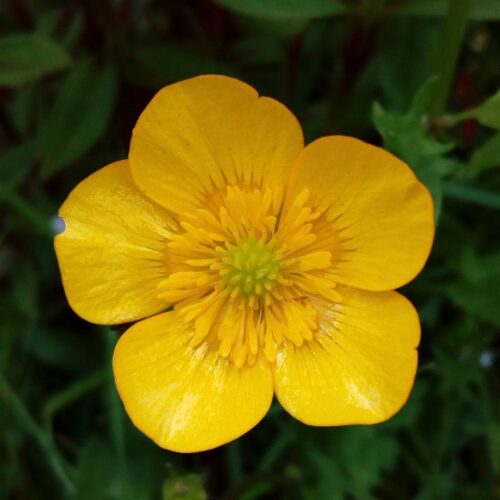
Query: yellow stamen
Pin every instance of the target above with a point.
(245, 272)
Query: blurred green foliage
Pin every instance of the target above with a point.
(74, 77)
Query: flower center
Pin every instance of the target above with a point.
(245, 270)
(251, 268)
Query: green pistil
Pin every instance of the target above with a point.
(251, 268)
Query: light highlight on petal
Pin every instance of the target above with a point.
(360, 367)
(186, 398)
(379, 213)
(112, 253)
(199, 135)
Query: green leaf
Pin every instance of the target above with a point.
(285, 9)
(408, 416)
(353, 464)
(26, 289)
(477, 291)
(79, 117)
(187, 487)
(15, 164)
(94, 471)
(480, 10)
(409, 138)
(487, 156)
(26, 211)
(157, 64)
(472, 194)
(488, 113)
(25, 58)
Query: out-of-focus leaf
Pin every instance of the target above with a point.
(186, 487)
(94, 472)
(480, 10)
(368, 453)
(257, 491)
(25, 290)
(31, 214)
(397, 80)
(79, 116)
(487, 156)
(328, 480)
(277, 28)
(354, 464)
(482, 301)
(23, 109)
(493, 433)
(258, 50)
(408, 137)
(409, 414)
(487, 113)
(74, 24)
(286, 9)
(478, 290)
(63, 349)
(472, 194)
(157, 64)
(16, 162)
(25, 58)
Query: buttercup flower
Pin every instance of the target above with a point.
(264, 267)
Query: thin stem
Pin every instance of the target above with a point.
(115, 412)
(70, 394)
(26, 421)
(32, 216)
(234, 463)
(454, 31)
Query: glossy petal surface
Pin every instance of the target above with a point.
(361, 367)
(112, 252)
(186, 399)
(379, 211)
(206, 132)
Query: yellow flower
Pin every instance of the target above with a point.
(279, 261)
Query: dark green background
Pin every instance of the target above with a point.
(420, 77)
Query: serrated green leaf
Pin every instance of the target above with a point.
(409, 138)
(478, 288)
(285, 9)
(488, 113)
(367, 454)
(481, 301)
(25, 58)
(79, 117)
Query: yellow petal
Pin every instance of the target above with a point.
(199, 134)
(186, 398)
(112, 252)
(360, 367)
(382, 214)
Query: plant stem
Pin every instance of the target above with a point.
(26, 421)
(70, 394)
(446, 61)
(26, 211)
(115, 412)
(472, 194)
